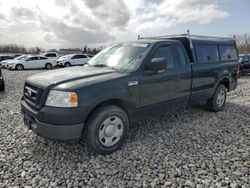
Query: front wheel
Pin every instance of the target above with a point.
(218, 101)
(19, 67)
(107, 129)
(48, 66)
(67, 64)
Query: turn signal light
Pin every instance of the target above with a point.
(73, 98)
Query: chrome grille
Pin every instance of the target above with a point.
(32, 95)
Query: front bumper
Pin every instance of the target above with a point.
(55, 123)
(10, 66)
(60, 63)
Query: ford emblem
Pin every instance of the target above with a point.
(28, 93)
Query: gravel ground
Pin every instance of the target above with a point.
(188, 148)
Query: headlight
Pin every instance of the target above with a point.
(62, 99)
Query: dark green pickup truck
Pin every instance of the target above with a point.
(126, 82)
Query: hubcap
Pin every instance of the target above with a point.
(220, 98)
(111, 131)
(19, 67)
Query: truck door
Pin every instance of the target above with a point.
(185, 73)
(161, 88)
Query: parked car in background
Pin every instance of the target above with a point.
(244, 60)
(127, 81)
(32, 62)
(5, 57)
(90, 55)
(5, 62)
(2, 86)
(52, 55)
(72, 59)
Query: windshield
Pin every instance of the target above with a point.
(122, 56)
(20, 57)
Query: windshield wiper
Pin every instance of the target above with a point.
(100, 65)
(106, 66)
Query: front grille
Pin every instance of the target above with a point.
(32, 95)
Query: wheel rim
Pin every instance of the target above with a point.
(111, 131)
(67, 65)
(220, 98)
(48, 66)
(19, 67)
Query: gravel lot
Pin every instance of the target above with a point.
(188, 148)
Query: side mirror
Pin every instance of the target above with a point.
(158, 64)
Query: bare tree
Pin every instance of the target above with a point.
(12, 48)
(243, 43)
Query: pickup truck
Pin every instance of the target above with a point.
(124, 83)
(244, 60)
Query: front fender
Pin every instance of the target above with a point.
(97, 94)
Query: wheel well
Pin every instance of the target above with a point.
(19, 64)
(226, 83)
(117, 102)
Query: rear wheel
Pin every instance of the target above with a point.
(48, 66)
(218, 101)
(2, 86)
(67, 64)
(107, 129)
(19, 67)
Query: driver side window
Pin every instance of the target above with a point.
(163, 52)
(76, 57)
(32, 59)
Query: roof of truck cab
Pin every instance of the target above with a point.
(151, 41)
(196, 39)
(189, 37)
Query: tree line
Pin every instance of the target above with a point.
(14, 48)
(20, 49)
(242, 41)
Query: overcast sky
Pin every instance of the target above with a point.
(75, 23)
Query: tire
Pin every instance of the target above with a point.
(218, 102)
(48, 66)
(19, 67)
(106, 129)
(2, 86)
(242, 73)
(67, 64)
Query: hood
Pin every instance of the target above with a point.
(69, 75)
(6, 61)
(14, 61)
